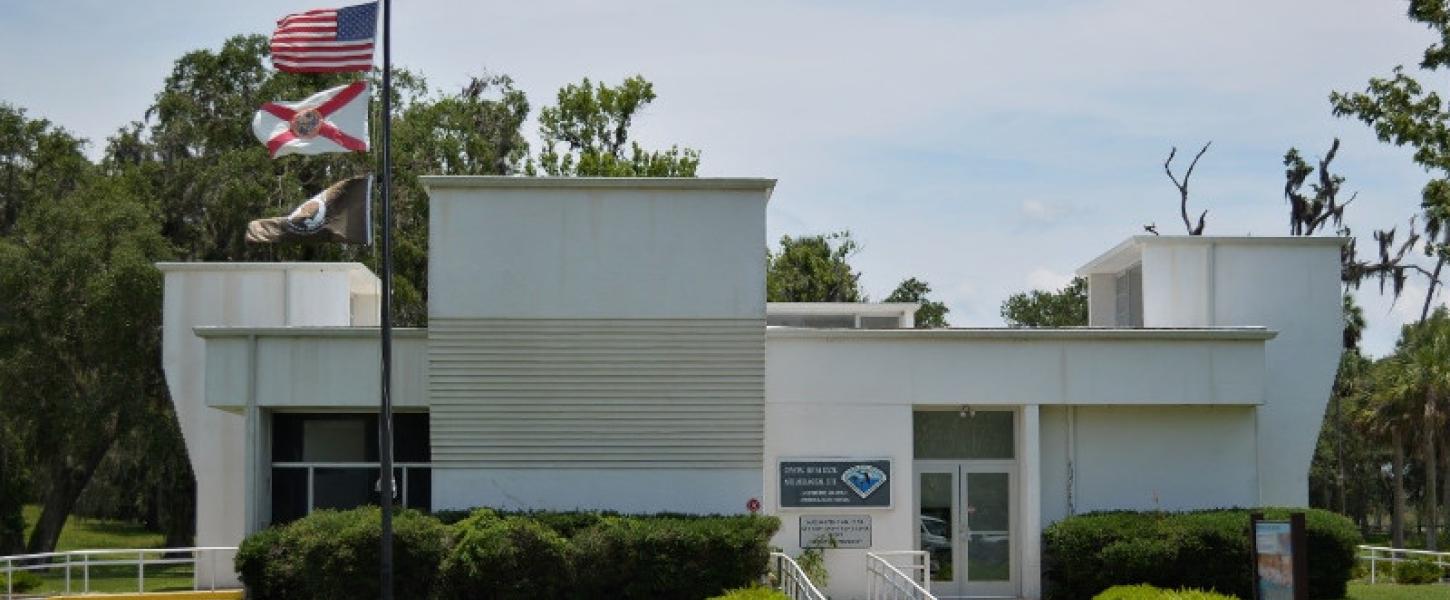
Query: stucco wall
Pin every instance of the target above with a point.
(505, 248)
(321, 368)
(820, 427)
(237, 295)
(1290, 286)
(1022, 366)
(1168, 457)
(596, 342)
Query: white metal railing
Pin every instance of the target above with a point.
(1384, 554)
(77, 564)
(885, 580)
(791, 580)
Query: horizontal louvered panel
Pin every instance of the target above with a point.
(597, 393)
(569, 463)
(601, 443)
(617, 392)
(590, 406)
(484, 433)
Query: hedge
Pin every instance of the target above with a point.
(499, 555)
(335, 554)
(511, 558)
(1148, 592)
(1210, 550)
(671, 557)
(1418, 571)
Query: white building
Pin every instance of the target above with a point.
(606, 344)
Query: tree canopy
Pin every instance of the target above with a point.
(591, 122)
(929, 314)
(80, 297)
(813, 268)
(1066, 307)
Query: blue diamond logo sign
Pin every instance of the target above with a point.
(864, 479)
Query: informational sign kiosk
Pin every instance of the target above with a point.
(1281, 558)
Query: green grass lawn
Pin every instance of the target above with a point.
(1389, 591)
(92, 534)
(98, 534)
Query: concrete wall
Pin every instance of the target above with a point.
(1019, 366)
(311, 368)
(810, 426)
(597, 343)
(1291, 286)
(830, 392)
(520, 248)
(238, 295)
(1146, 458)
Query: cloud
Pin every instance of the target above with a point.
(1042, 278)
(1041, 211)
(943, 135)
(1412, 301)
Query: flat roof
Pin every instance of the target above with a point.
(1126, 253)
(647, 183)
(261, 266)
(1033, 333)
(310, 331)
(964, 333)
(840, 308)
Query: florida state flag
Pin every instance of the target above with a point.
(341, 213)
(334, 120)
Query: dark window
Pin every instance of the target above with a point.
(325, 458)
(965, 434)
(880, 322)
(410, 438)
(420, 489)
(346, 437)
(813, 321)
(343, 488)
(289, 494)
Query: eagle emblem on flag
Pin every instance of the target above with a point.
(334, 120)
(341, 213)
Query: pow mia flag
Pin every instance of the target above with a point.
(341, 213)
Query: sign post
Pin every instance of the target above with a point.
(385, 404)
(1281, 558)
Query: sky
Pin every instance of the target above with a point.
(986, 147)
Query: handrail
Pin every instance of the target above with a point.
(1378, 554)
(792, 580)
(885, 581)
(83, 560)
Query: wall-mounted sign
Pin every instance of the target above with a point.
(835, 483)
(1281, 564)
(835, 531)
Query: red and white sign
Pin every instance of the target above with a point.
(334, 120)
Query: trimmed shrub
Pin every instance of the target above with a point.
(670, 557)
(1148, 592)
(505, 559)
(334, 554)
(501, 555)
(564, 523)
(1418, 571)
(1210, 550)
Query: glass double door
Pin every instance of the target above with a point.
(966, 522)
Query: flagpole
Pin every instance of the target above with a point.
(385, 413)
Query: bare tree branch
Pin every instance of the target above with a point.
(1183, 188)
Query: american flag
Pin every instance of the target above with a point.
(326, 40)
